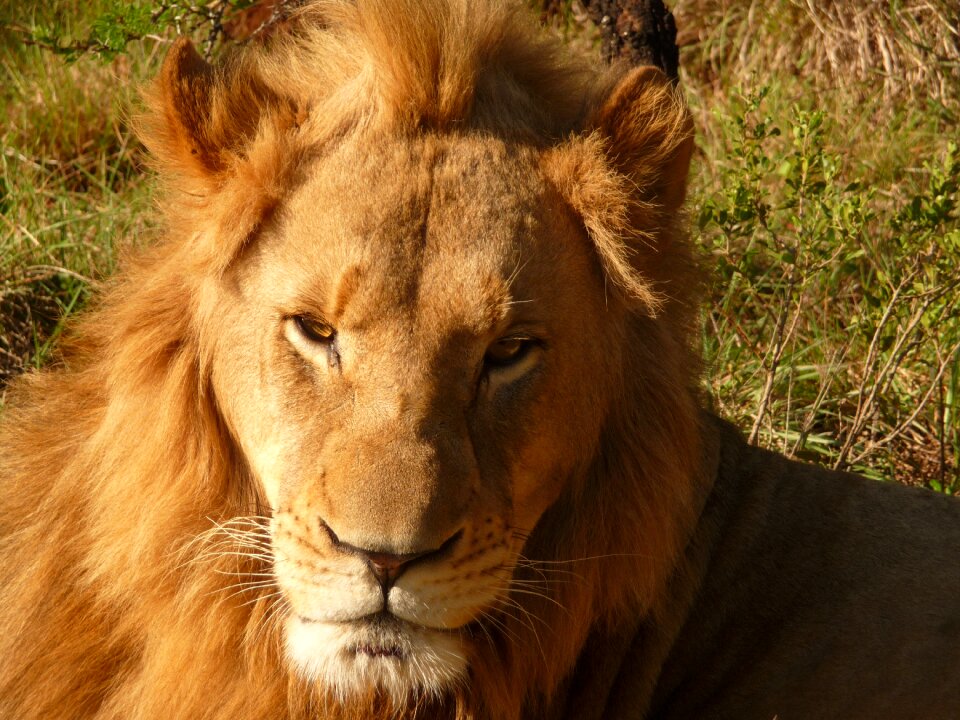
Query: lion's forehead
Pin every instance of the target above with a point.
(449, 219)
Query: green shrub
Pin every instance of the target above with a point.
(834, 328)
(111, 25)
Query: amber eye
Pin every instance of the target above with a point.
(507, 351)
(315, 330)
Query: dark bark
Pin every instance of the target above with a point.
(642, 32)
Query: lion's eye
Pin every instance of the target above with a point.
(314, 339)
(315, 330)
(507, 351)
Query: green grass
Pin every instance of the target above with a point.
(71, 182)
(826, 200)
(833, 330)
(823, 197)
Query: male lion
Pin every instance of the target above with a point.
(400, 420)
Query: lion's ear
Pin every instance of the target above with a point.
(201, 120)
(625, 175)
(648, 133)
(180, 133)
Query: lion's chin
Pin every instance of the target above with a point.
(402, 660)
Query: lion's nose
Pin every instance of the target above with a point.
(388, 567)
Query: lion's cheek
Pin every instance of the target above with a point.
(447, 600)
(538, 478)
(325, 591)
(251, 412)
(265, 458)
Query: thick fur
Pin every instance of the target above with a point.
(188, 495)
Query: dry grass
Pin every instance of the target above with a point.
(910, 50)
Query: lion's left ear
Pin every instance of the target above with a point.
(649, 135)
(625, 175)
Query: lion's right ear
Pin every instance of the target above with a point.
(179, 131)
(225, 138)
(201, 119)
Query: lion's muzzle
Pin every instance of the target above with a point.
(388, 567)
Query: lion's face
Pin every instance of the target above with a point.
(410, 360)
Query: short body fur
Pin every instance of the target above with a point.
(424, 295)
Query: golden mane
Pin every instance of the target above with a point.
(116, 461)
(399, 68)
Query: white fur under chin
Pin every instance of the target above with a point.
(426, 662)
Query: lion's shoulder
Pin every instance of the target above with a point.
(806, 576)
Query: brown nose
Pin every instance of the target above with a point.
(388, 567)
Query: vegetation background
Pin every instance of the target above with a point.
(824, 200)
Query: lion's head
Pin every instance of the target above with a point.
(401, 371)
(424, 280)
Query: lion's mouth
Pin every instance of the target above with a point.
(384, 633)
(377, 651)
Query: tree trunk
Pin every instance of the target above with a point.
(642, 32)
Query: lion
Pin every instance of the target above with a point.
(399, 418)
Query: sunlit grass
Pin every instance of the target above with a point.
(71, 183)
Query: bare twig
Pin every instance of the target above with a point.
(897, 431)
(781, 335)
(866, 401)
(826, 383)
